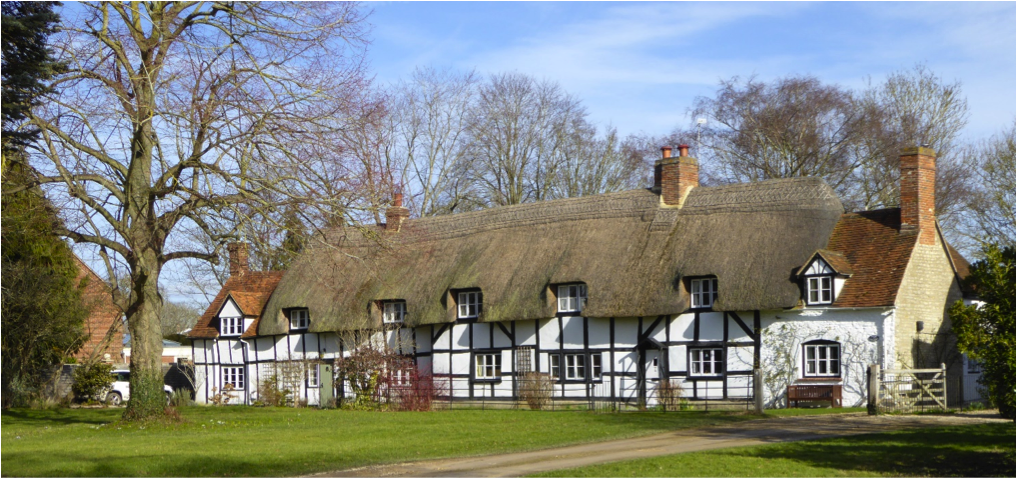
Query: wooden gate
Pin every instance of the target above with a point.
(911, 390)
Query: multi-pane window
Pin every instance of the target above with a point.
(469, 304)
(596, 369)
(400, 378)
(706, 361)
(704, 292)
(820, 289)
(233, 376)
(555, 366)
(299, 319)
(488, 366)
(575, 367)
(394, 311)
(231, 326)
(571, 298)
(313, 379)
(822, 359)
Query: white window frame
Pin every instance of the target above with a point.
(235, 375)
(300, 319)
(554, 361)
(468, 304)
(393, 312)
(313, 376)
(487, 366)
(231, 326)
(571, 298)
(706, 361)
(575, 366)
(821, 360)
(819, 289)
(596, 366)
(400, 378)
(703, 292)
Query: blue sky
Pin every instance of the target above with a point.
(638, 66)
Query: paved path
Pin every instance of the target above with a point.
(750, 433)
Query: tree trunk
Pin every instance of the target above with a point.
(147, 396)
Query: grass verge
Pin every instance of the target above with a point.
(243, 441)
(984, 450)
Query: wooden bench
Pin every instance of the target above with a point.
(813, 393)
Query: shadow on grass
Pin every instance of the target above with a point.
(63, 417)
(985, 450)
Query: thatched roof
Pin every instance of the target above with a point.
(631, 252)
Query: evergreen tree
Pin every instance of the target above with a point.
(26, 66)
(42, 308)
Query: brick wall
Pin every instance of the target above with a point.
(918, 193)
(677, 176)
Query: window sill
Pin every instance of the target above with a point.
(702, 377)
(486, 380)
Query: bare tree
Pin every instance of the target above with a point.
(430, 132)
(518, 128)
(177, 118)
(792, 127)
(591, 165)
(990, 209)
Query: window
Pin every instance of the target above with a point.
(299, 319)
(571, 298)
(704, 292)
(313, 379)
(232, 326)
(469, 304)
(394, 311)
(822, 359)
(488, 366)
(400, 378)
(555, 366)
(575, 367)
(596, 370)
(706, 362)
(233, 376)
(819, 289)
(974, 367)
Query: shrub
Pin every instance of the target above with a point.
(536, 389)
(420, 393)
(669, 395)
(272, 394)
(92, 381)
(181, 397)
(222, 398)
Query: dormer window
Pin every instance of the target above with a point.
(703, 292)
(469, 304)
(823, 276)
(819, 289)
(393, 312)
(571, 298)
(299, 319)
(231, 326)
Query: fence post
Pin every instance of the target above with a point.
(946, 398)
(873, 389)
(757, 389)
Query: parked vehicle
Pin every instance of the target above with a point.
(120, 391)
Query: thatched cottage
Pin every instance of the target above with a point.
(610, 294)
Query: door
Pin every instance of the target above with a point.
(651, 377)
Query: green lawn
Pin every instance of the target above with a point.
(985, 450)
(242, 441)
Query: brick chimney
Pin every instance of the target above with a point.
(918, 193)
(238, 259)
(673, 178)
(396, 214)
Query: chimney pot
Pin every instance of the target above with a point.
(673, 178)
(398, 199)
(665, 152)
(683, 150)
(396, 213)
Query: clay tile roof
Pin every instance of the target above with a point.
(835, 260)
(250, 291)
(878, 253)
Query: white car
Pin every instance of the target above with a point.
(120, 390)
